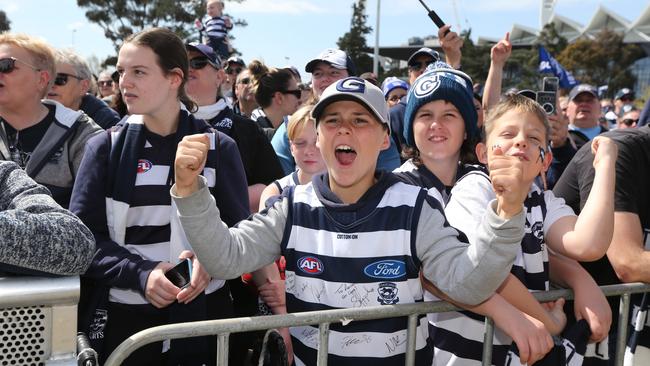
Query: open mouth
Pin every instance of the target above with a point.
(345, 154)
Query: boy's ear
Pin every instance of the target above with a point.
(481, 152)
(386, 143)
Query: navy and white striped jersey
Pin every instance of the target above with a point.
(336, 259)
(148, 226)
(215, 27)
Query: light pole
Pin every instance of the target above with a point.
(375, 63)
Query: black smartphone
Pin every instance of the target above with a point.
(548, 95)
(181, 274)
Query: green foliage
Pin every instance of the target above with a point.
(520, 70)
(5, 24)
(604, 60)
(476, 59)
(121, 18)
(354, 41)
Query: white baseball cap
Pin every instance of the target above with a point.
(357, 90)
(332, 56)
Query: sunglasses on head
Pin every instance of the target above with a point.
(417, 66)
(8, 65)
(296, 93)
(105, 83)
(197, 63)
(62, 78)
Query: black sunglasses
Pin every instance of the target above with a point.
(244, 81)
(296, 93)
(233, 70)
(629, 121)
(8, 65)
(417, 66)
(197, 63)
(62, 78)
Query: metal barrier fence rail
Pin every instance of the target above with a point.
(38, 320)
(223, 328)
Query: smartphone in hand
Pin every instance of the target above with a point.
(181, 274)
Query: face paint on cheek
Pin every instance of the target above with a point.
(542, 173)
(495, 146)
(542, 154)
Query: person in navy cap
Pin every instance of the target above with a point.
(623, 97)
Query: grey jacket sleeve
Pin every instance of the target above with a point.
(468, 273)
(228, 253)
(38, 234)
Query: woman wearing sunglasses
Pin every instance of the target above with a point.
(277, 93)
(205, 77)
(122, 195)
(42, 137)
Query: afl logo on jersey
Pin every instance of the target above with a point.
(311, 265)
(144, 166)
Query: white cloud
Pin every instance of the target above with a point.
(293, 7)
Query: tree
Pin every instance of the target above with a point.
(4, 22)
(475, 58)
(354, 41)
(551, 40)
(604, 60)
(121, 18)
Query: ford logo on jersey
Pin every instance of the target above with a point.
(386, 269)
(144, 166)
(311, 265)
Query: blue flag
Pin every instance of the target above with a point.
(548, 64)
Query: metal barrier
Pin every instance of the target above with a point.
(223, 328)
(38, 320)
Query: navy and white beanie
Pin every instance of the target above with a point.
(441, 81)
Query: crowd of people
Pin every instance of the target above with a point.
(342, 192)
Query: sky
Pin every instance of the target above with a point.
(292, 32)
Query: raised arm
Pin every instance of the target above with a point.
(451, 43)
(499, 54)
(224, 253)
(587, 237)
